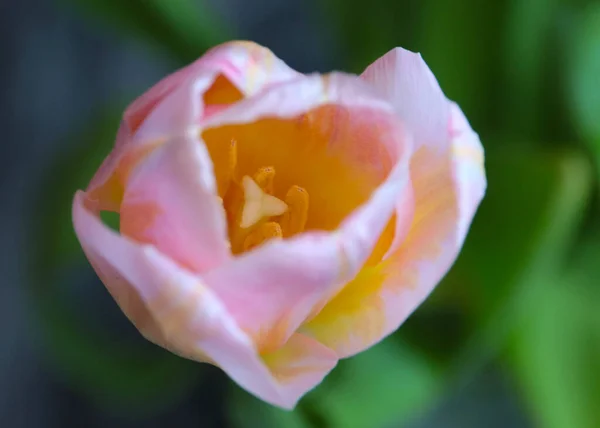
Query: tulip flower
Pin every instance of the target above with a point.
(272, 222)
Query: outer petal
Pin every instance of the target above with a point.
(134, 116)
(468, 162)
(403, 78)
(170, 201)
(178, 102)
(250, 68)
(174, 309)
(275, 288)
(448, 184)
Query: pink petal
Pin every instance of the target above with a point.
(271, 291)
(448, 183)
(134, 116)
(173, 308)
(447, 150)
(170, 202)
(300, 365)
(249, 67)
(138, 110)
(176, 103)
(447, 196)
(246, 65)
(403, 78)
(468, 159)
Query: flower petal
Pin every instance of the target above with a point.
(403, 78)
(250, 68)
(245, 65)
(137, 112)
(171, 202)
(300, 365)
(468, 159)
(174, 309)
(181, 100)
(448, 153)
(273, 289)
(448, 184)
(105, 184)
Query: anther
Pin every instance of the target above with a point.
(264, 232)
(293, 221)
(265, 177)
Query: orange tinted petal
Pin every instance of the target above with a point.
(448, 183)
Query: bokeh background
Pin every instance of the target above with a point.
(511, 338)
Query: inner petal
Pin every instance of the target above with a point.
(336, 158)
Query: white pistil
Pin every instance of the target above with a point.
(258, 204)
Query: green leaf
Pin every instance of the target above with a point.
(184, 28)
(363, 35)
(387, 385)
(459, 41)
(556, 349)
(526, 50)
(584, 76)
(246, 411)
(531, 213)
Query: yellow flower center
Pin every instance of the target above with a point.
(278, 177)
(254, 213)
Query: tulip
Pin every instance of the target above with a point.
(272, 222)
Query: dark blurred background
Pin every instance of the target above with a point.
(511, 338)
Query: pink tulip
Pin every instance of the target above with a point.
(272, 222)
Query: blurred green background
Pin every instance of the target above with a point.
(511, 338)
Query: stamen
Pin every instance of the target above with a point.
(228, 157)
(258, 204)
(232, 157)
(294, 219)
(264, 177)
(264, 232)
(250, 206)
